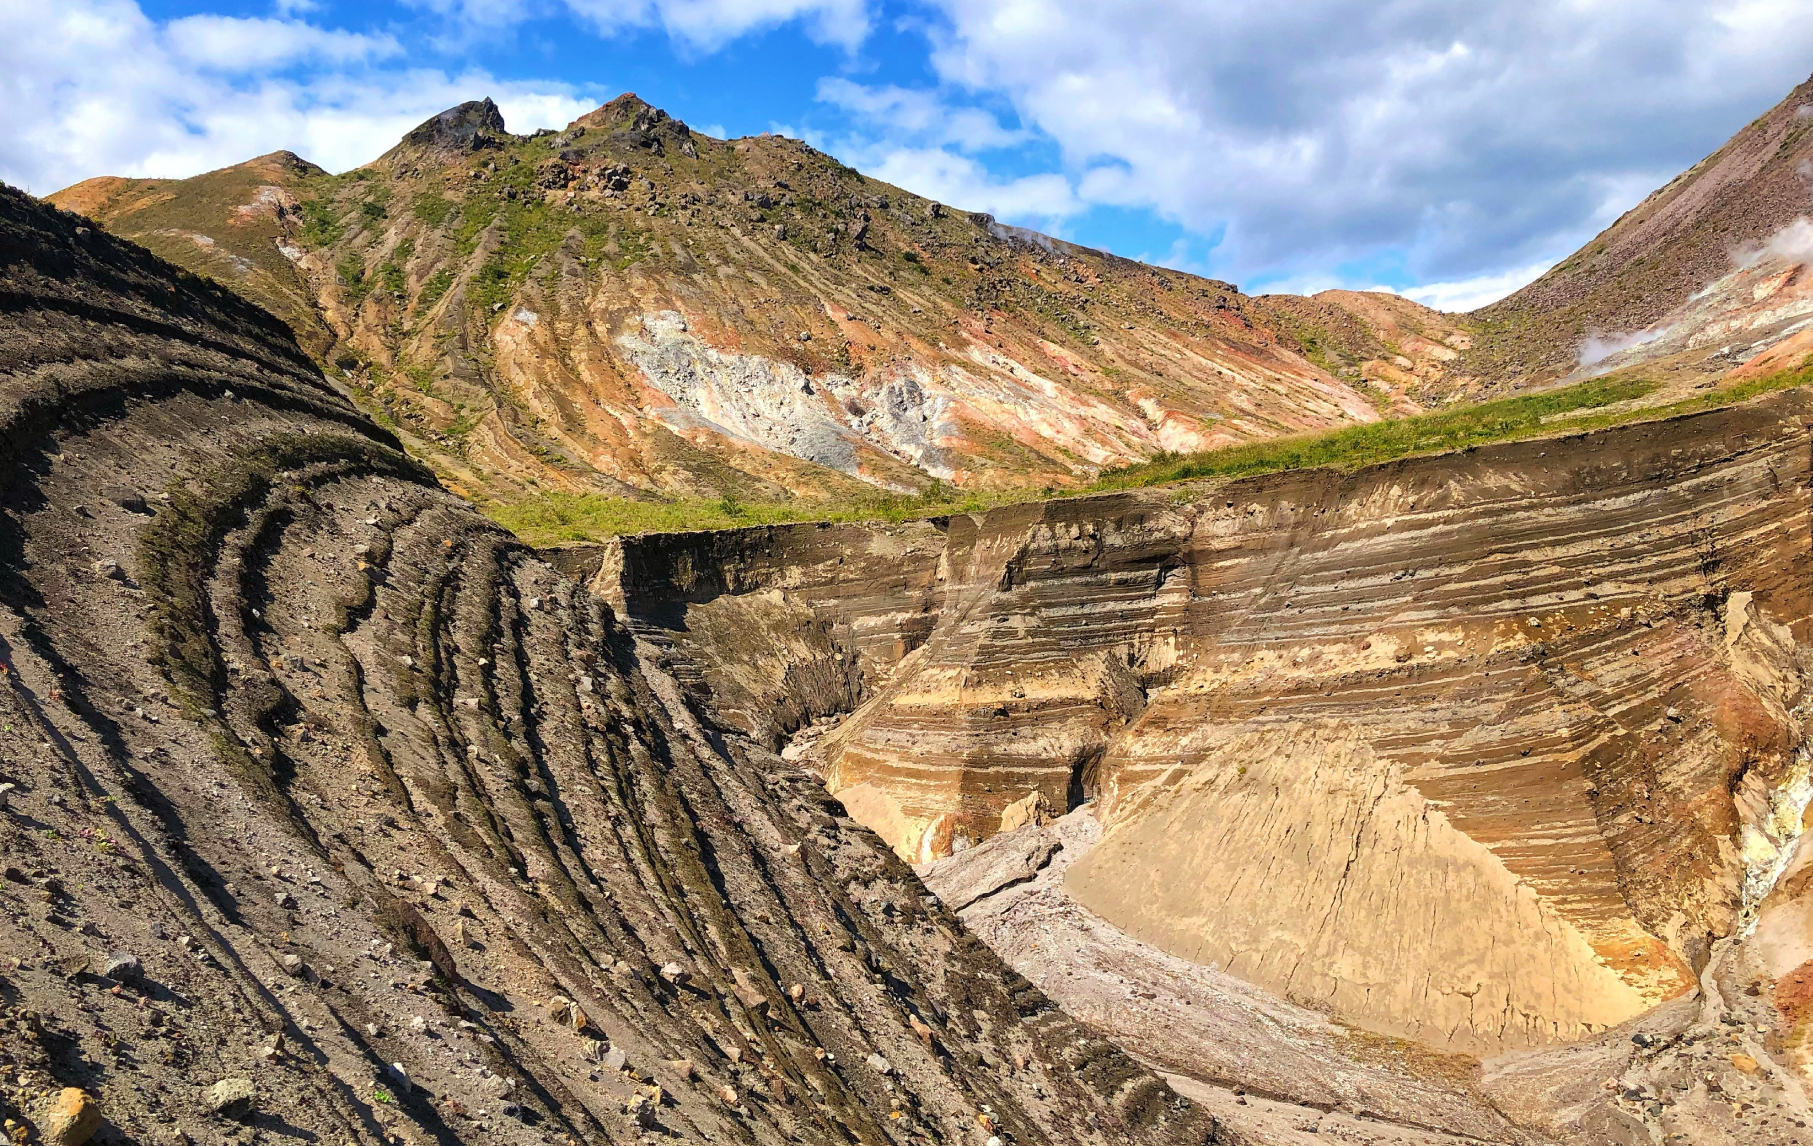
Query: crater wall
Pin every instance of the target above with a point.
(1483, 749)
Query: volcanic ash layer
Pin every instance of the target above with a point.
(332, 810)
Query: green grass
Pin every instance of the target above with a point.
(561, 518)
(1504, 420)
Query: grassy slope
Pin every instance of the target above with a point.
(1587, 406)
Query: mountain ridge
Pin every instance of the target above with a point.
(1683, 239)
(627, 308)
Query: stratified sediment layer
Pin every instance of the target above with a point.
(1483, 750)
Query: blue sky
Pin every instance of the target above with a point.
(1448, 151)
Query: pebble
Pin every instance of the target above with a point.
(399, 1074)
(675, 974)
(123, 967)
(293, 964)
(73, 1118)
(615, 1058)
(232, 1097)
(879, 1065)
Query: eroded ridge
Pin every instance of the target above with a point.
(396, 823)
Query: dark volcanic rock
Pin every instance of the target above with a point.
(471, 126)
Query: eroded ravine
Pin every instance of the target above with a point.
(1490, 751)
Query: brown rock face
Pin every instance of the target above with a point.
(1483, 750)
(274, 700)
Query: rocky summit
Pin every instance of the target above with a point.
(1443, 779)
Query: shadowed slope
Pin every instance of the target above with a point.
(397, 821)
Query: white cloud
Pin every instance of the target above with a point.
(1462, 295)
(231, 44)
(1041, 201)
(1473, 139)
(920, 116)
(702, 24)
(93, 87)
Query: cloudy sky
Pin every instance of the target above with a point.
(1448, 150)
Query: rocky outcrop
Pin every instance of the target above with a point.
(1484, 750)
(405, 836)
(776, 626)
(472, 126)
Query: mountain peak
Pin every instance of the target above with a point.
(628, 110)
(287, 163)
(631, 121)
(471, 126)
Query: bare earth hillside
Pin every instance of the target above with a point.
(627, 307)
(1663, 281)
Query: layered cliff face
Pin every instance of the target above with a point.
(333, 812)
(1484, 750)
(626, 307)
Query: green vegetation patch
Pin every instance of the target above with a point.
(351, 270)
(1503, 420)
(321, 226)
(432, 209)
(526, 231)
(434, 288)
(560, 518)
(391, 275)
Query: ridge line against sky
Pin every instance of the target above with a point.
(1448, 152)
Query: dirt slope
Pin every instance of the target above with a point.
(629, 308)
(331, 813)
(1681, 240)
